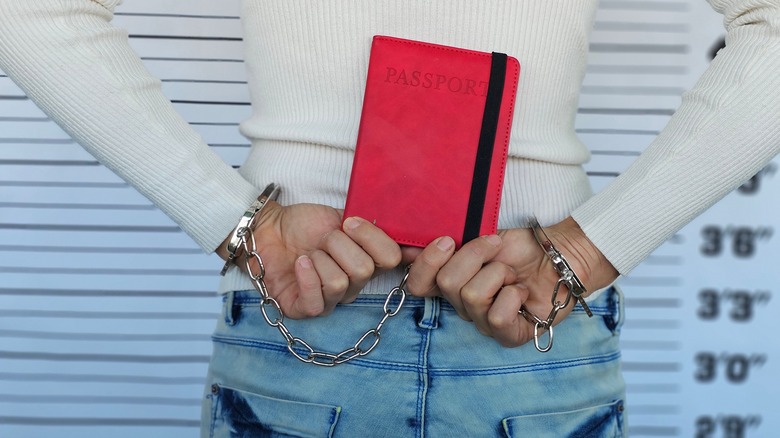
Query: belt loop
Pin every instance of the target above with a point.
(430, 317)
(228, 308)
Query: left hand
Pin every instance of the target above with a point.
(490, 278)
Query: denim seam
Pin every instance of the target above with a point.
(366, 363)
(422, 373)
(591, 360)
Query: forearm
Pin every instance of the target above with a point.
(724, 132)
(81, 71)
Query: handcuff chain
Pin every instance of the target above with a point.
(568, 278)
(298, 347)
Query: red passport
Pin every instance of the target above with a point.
(433, 140)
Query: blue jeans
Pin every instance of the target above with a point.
(432, 375)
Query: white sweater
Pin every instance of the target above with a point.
(306, 65)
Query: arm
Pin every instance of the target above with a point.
(81, 71)
(725, 131)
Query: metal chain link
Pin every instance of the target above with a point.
(274, 317)
(541, 325)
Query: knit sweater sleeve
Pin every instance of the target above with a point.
(726, 129)
(81, 71)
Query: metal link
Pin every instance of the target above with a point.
(273, 303)
(537, 336)
(393, 293)
(248, 244)
(377, 338)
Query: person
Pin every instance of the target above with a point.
(434, 373)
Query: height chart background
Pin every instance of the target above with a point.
(106, 308)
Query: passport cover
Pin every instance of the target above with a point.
(432, 142)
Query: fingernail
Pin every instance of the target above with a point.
(351, 223)
(304, 261)
(493, 239)
(445, 243)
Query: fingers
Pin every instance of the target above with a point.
(309, 302)
(463, 266)
(506, 325)
(478, 295)
(422, 274)
(346, 260)
(349, 257)
(383, 250)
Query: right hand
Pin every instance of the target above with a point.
(311, 262)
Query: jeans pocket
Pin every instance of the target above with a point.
(603, 421)
(236, 413)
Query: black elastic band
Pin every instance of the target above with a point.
(487, 138)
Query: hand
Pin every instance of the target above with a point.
(311, 262)
(490, 278)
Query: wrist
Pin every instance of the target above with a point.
(230, 247)
(587, 261)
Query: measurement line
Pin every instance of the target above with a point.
(637, 431)
(639, 69)
(63, 184)
(229, 145)
(654, 388)
(203, 81)
(674, 49)
(209, 102)
(651, 367)
(214, 123)
(164, 15)
(98, 399)
(102, 228)
(106, 293)
(618, 131)
(660, 303)
(60, 206)
(168, 58)
(37, 140)
(116, 337)
(184, 37)
(627, 111)
(616, 153)
(13, 97)
(107, 271)
(608, 174)
(24, 119)
(635, 91)
(99, 250)
(90, 357)
(624, 26)
(98, 378)
(76, 421)
(60, 163)
(81, 314)
(645, 5)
